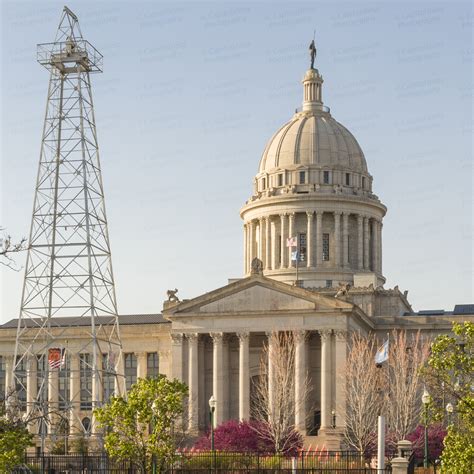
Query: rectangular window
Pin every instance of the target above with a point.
(325, 247)
(302, 247)
(2, 378)
(108, 382)
(21, 382)
(363, 182)
(328, 283)
(278, 259)
(64, 376)
(41, 378)
(130, 370)
(326, 177)
(280, 180)
(348, 179)
(264, 183)
(152, 365)
(85, 371)
(302, 177)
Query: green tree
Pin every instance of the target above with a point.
(144, 426)
(449, 377)
(14, 439)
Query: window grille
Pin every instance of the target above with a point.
(130, 370)
(326, 177)
(152, 364)
(85, 365)
(302, 247)
(302, 177)
(325, 247)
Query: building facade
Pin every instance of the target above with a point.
(312, 264)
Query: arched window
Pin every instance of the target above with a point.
(86, 424)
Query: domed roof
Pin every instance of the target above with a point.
(313, 137)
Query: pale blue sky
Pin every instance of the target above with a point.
(190, 94)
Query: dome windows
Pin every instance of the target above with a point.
(302, 177)
(326, 177)
(348, 179)
(280, 179)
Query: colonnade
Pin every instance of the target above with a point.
(52, 382)
(266, 237)
(333, 360)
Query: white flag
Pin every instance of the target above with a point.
(382, 353)
(291, 242)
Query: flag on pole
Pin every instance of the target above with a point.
(294, 256)
(382, 354)
(56, 357)
(291, 242)
(111, 358)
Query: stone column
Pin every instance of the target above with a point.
(251, 247)
(345, 239)
(203, 403)
(283, 249)
(261, 233)
(244, 376)
(319, 238)
(340, 371)
(193, 383)
(337, 239)
(374, 246)
(271, 370)
(218, 376)
(246, 259)
(325, 378)
(275, 245)
(309, 239)
(141, 364)
(75, 394)
(53, 394)
(379, 241)
(31, 388)
(9, 384)
(119, 384)
(177, 356)
(268, 245)
(291, 233)
(300, 381)
(360, 242)
(366, 244)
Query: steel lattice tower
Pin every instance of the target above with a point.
(69, 270)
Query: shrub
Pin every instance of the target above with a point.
(245, 437)
(436, 435)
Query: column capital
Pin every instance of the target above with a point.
(300, 335)
(325, 334)
(346, 214)
(341, 335)
(360, 218)
(243, 336)
(217, 337)
(176, 338)
(338, 213)
(291, 214)
(283, 215)
(192, 336)
(310, 214)
(319, 214)
(164, 353)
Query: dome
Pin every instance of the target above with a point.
(313, 138)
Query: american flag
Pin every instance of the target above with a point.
(56, 357)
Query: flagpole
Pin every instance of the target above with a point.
(297, 258)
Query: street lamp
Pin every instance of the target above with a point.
(425, 398)
(333, 415)
(449, 411)
(212, 409)
(154, 409)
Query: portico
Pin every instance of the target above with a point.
(233, 336)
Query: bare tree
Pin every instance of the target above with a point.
(275, 402)
(7, 248)
(407, 355)
(363, 392)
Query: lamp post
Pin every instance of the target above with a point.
(154, 408)
(212, 409)
(425, 398)
(333, 416)
(449, 411)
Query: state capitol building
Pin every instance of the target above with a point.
(313, 264)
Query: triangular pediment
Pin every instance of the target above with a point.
(257, 294)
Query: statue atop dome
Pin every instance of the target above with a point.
(312, 53)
